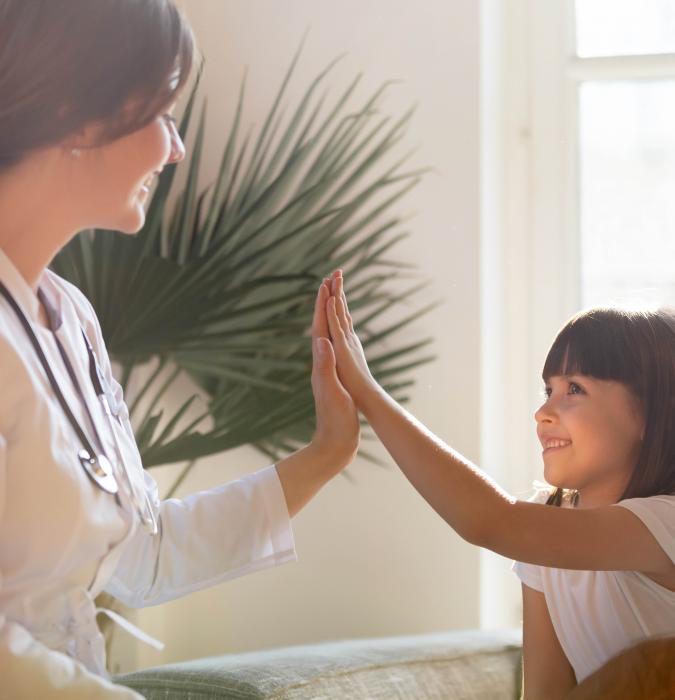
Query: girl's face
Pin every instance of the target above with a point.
(116, 177)
(590, 430)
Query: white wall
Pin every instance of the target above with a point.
(373, 558)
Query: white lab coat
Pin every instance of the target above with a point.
(63, 540)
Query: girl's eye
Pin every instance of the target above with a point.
(574, 388)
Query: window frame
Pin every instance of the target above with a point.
(530, 233)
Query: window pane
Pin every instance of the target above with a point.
(625, 27)
(627, 192)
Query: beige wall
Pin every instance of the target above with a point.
(373, 558)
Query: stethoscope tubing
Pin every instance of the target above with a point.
(98, 468)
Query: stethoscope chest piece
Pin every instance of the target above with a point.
(99, 470)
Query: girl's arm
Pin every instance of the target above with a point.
(547, 674)
(608, 538)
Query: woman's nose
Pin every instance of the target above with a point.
(177, 147)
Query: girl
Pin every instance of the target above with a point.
(598, 570)
(86, 95)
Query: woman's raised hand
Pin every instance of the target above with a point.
(352, 367)
(336, 439)
(337, 423)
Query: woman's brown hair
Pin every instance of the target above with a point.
(65, 64)
(637, 349)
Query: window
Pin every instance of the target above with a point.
(624, 27)
(624, 66)
(578, 203)
(627, 191)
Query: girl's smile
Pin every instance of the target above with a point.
(551, 445)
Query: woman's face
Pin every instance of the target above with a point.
(590, 431)
(117, 177)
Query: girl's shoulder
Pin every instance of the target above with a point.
(661, 501)
(658, 515)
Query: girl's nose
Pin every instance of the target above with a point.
(545, 413)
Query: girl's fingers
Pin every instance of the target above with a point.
(334, 282)
(340, 302)
(333, 322)
(319, 322)
(343, 313)
(347, 314)
(340, 311)
(343, 296)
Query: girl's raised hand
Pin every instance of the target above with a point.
(352, 367)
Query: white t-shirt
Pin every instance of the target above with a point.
(597, 614)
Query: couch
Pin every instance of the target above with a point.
(466, 665)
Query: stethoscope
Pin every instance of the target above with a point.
(96, 465)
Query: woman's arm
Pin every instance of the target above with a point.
(608, 538)
(242, 526)
(547, 674)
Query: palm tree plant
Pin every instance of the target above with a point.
(221, 289)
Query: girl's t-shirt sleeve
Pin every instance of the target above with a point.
(530, 574)
(658, 514)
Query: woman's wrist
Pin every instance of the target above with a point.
(306, 471)
(331, 456)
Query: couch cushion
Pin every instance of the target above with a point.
(471, 665)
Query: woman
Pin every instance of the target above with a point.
(86, 95)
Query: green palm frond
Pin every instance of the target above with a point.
(221, 288)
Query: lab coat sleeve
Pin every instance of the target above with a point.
(29, 670)
(205, 539)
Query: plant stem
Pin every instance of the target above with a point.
(147, 386)
(180, 479)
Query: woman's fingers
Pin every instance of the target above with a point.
(323, 366)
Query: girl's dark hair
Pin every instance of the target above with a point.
(65, 64)
(636, 348)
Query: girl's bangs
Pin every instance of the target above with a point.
(595, 344)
